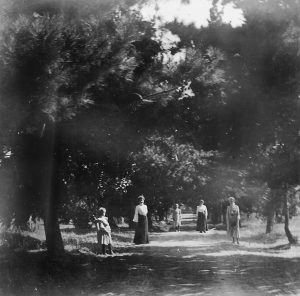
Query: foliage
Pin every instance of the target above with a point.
(167, 171)
(90, 184)
(53, 67)
(94, 101)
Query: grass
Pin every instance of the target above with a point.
(88, 239)
(253, 230)
(83, 272)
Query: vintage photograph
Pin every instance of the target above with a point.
(149, 147)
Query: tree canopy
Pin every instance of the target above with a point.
(96, 108)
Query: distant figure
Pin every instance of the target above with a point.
(140, 217)
(177, 217)
(201, 214)
(103, 232)
(32, 223)
(233, 220)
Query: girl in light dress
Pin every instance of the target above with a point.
(104, 233)
(177, 217)
(233, 220)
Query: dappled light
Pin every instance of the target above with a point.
(179, 263)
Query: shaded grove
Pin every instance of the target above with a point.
(97, 109)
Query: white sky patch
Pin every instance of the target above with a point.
(196, 12)
(233, 15)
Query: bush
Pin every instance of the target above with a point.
(81, 218)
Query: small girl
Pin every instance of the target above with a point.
(177, 218)
(103, 232)
(232, 219)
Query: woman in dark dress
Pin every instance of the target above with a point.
(201, 214)
(140, 217)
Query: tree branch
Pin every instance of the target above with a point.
(145, 99)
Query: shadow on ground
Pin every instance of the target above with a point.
(184, 263)
(150, 272)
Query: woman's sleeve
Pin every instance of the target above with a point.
(101, 225)
(136, 215)
(238, 215)
(197, 211)
(206, 212)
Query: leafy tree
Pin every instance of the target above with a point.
(52, 68)
(262, 65)
(281, 172)
(168, 172)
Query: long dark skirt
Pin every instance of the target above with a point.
(141, 232)
(201, 222)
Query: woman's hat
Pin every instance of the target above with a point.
(141, 198)
(231, 198)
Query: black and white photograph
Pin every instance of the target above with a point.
(149, 147)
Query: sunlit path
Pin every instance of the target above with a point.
(174, 263)
(190, 263)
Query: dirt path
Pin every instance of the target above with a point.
(190, 263)
(185, 263)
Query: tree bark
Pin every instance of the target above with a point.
(270, 220)
(50, 192)
(291, 238)
(270, 213)
(54, 240)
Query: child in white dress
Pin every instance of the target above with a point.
(103, 232)
(177, 217)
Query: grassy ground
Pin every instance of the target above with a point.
(252, 231)
(173, 264)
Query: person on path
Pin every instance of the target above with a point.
(233, 220)
(141, 235)
(104, 232)
(201, 214)
(177, 217)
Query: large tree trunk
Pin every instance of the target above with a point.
(270, 220)
(270, 211)
(50, 191)
(54, 240)
(291, 238)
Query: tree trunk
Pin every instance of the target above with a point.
(270, 220)
(54, 240)
(50, 191)
(270, 211)
(291, 238)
